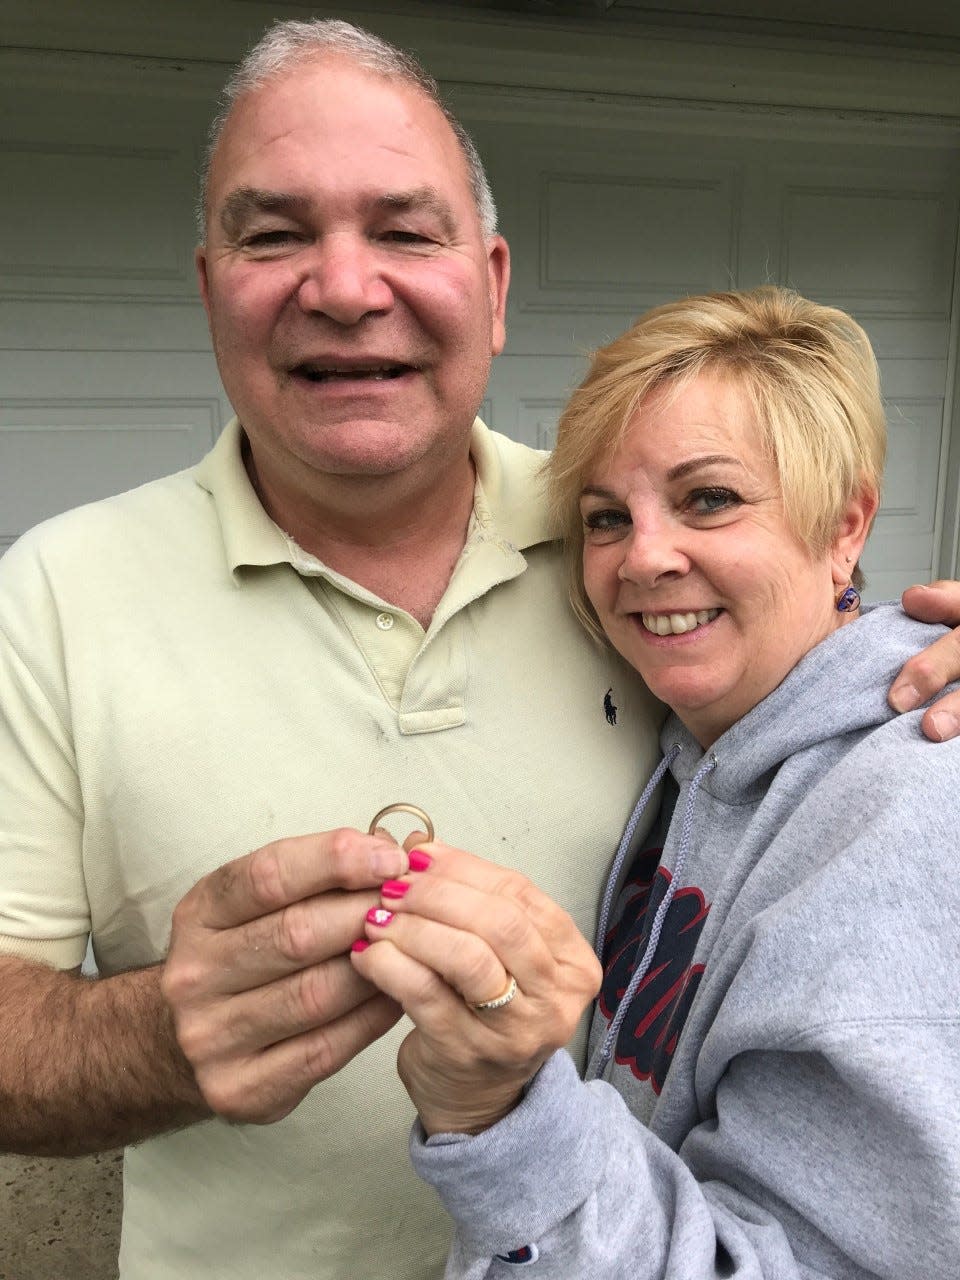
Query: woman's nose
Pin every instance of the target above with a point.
(342, 280)
(652, 555)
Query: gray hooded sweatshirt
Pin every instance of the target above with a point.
(780, 1091)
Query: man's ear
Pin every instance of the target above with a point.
(498, 275)
(852, 533)
(203, 281)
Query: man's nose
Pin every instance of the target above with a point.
(652, 556)
(342, 280)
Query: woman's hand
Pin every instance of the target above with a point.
(926, 673)
(450, 935)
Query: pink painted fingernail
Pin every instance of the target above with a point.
(394, 888)
(379, 915)
(419, 861)
(361, 944)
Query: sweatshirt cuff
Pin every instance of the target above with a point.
(514, 1182)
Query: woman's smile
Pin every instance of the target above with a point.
(677, 624)
(690, 562)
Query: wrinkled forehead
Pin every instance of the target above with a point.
(326, 119)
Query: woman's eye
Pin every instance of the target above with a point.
(707, 502)
(605, 520)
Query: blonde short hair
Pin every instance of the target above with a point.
(808, 372)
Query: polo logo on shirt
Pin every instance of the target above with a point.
(648, 1035)
(609, 710)
(520, 1257)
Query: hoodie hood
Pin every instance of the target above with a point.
(839, 687)
(834, 696)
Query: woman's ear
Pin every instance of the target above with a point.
(855, 522)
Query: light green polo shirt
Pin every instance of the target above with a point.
(180, 684)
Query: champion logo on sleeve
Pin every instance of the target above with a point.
(520, 1257)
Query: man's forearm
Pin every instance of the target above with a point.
(88, 1064)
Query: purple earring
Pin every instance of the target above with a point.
(848, 600)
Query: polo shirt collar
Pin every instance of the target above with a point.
(510, 494)
(509, 498)
(249, 535)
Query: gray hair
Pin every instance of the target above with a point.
(287, 44)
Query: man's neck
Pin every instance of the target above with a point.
(398, 536)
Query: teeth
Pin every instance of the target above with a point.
(374, 375)
(675, 624)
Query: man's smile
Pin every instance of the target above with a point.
(324, 371)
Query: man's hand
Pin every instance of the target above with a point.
(264, 998)
(926, 673)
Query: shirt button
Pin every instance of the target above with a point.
(385, 621)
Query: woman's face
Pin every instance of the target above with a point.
(688, 560)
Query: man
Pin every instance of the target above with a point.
(352, 601)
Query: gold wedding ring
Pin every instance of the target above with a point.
(402, 807)
(485, 1006)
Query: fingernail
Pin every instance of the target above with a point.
(943, 725)
(394, 888)
(419, 861)
(904, 697)
(379, 915)
(361, 944)
(386, 860)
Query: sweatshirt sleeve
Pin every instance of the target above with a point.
(571, 1178)
(578, 1189)
(825, 1138)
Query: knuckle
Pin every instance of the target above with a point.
(313, 994)
(423, 987)
(183, 916)
(511, 929)
(222, 1094)
(923, 670)
(294, 935)
(182, 981)
(475, 973)
(341, 847)
(319, 1057)
(264, 875)
(525, 892)
(194, 1039)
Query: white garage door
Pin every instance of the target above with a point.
(105, 371)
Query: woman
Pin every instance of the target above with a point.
(775, 1053)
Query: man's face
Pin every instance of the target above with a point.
(353, 300)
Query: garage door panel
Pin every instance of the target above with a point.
(899, 340)
(74, 429)
(525, 402)
(80, 451)
(914, 429)
(617, 223)
(59, 230)
(612, 234)
(836, 246)
(101, 325)
(901, 547)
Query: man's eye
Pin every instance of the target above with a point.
(274, 239)
(707, 502)
(398, 235)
